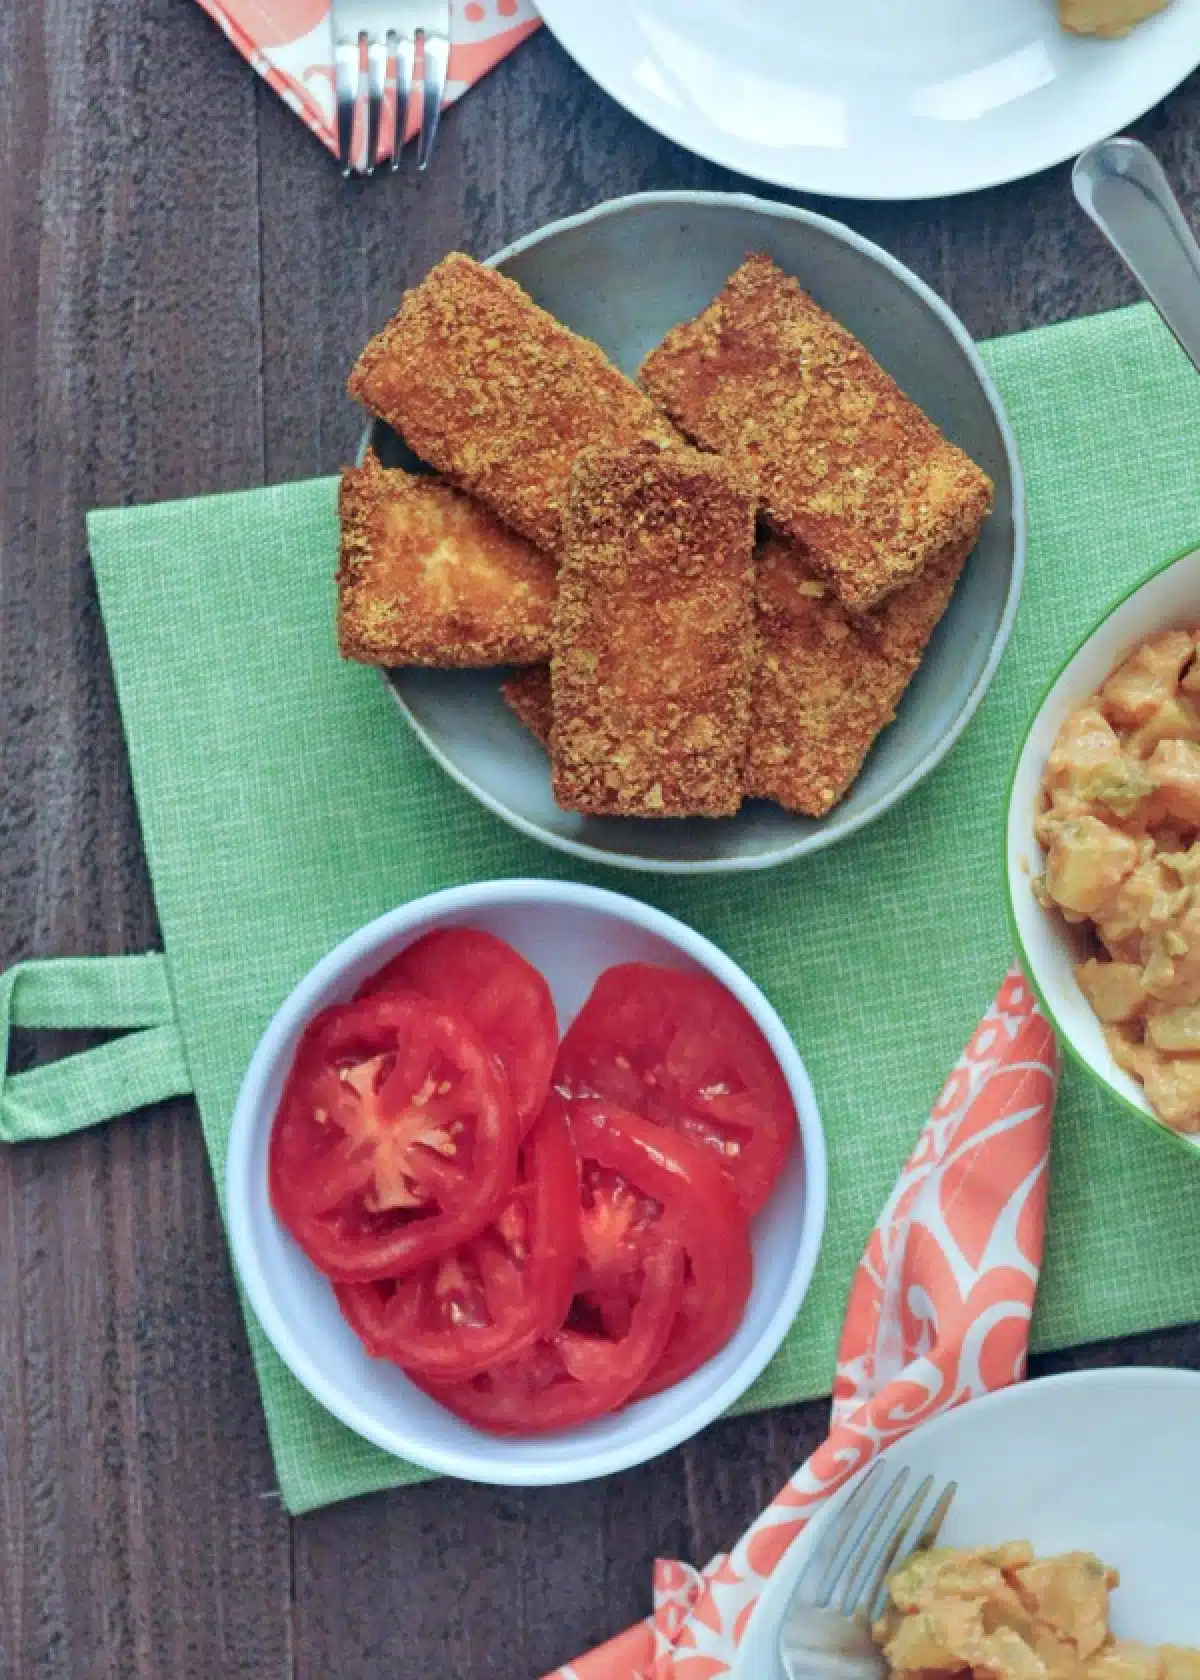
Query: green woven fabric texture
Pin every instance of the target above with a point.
(130, 993)
(284, 803)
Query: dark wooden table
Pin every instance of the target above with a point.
(184, 281)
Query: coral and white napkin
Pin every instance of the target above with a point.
(290, 44)
(939, 1314)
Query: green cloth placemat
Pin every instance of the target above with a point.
(284, 803)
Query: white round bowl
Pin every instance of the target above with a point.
(1169, 599)
(571, 934)
(623, 274)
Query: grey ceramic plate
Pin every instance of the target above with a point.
(623, 274)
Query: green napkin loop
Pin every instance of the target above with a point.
(147, 1065)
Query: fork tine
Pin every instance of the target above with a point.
(933, 1525)
(437, 62)
(347, 63)
(406, 58)
(809, 1581)
(853, 1597)
(864, 1543)
(376, 81)
(925, 1539)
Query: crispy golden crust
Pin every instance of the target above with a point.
(497, 394)
(653, 635)
(528, 695)
(827, 681)
(429, 577)
(847, 465)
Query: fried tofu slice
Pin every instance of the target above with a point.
(497, 394)
(653, 635)
(827, 680)
(847, 466)
(430, 577)
(528, 694)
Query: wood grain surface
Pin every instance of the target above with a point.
(184, 280)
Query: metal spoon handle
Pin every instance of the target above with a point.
(1121, 186)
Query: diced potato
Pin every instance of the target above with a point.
(1129, 1052)
(1147, 679)
(1171, 954)
(1108, 18)
(1176, 767)
(1179, 1664)
(1087, 863)
(1176, 1031)
(1057, 1655)
(928, 1576)
(1114, 989)
(923, 1642)
(1122, 1659)
(1004, 1652)
(1185, 862)
(1176, 720)
(1084, 742)
(1123, 784)
(1146, 898)
(1061, 807)
(1070, 1593)
(1173, 1091)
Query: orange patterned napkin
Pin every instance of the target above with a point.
(290, 44)
(939, 1313)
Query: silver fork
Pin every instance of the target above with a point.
(383, 31)
(826, 1627)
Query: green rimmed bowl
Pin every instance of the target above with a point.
(1168, 599)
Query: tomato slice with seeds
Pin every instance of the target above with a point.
(681, 1051)
(492, 1297)
(641, 1188)
(580, 1372)
(496, 991)
(395, 1139)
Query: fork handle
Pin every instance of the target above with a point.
(1122, 187)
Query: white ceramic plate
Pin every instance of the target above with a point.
(1098, 1461)
(874, 98)
(623, 274)
(571, 934)
(1167, 600)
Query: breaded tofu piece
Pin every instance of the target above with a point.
(847, 466)
(828, 681)
(497, 394)
(528, 695)
(430, 577)
(653, 635)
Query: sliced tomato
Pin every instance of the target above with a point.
(639, 1189)
(581, 1372)
(680, 1050)
(495, 1295)
(496, 991)
(395, 1139)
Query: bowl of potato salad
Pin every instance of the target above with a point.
(1103, 851)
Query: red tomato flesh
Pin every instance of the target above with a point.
(496, 992)
(494, 1296)
(679, 1050)
(395, 1139)
(641, 1188)
(579, 1373)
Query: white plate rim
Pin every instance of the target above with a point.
(563, 18)
(1017, 1395)
(823, 836)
